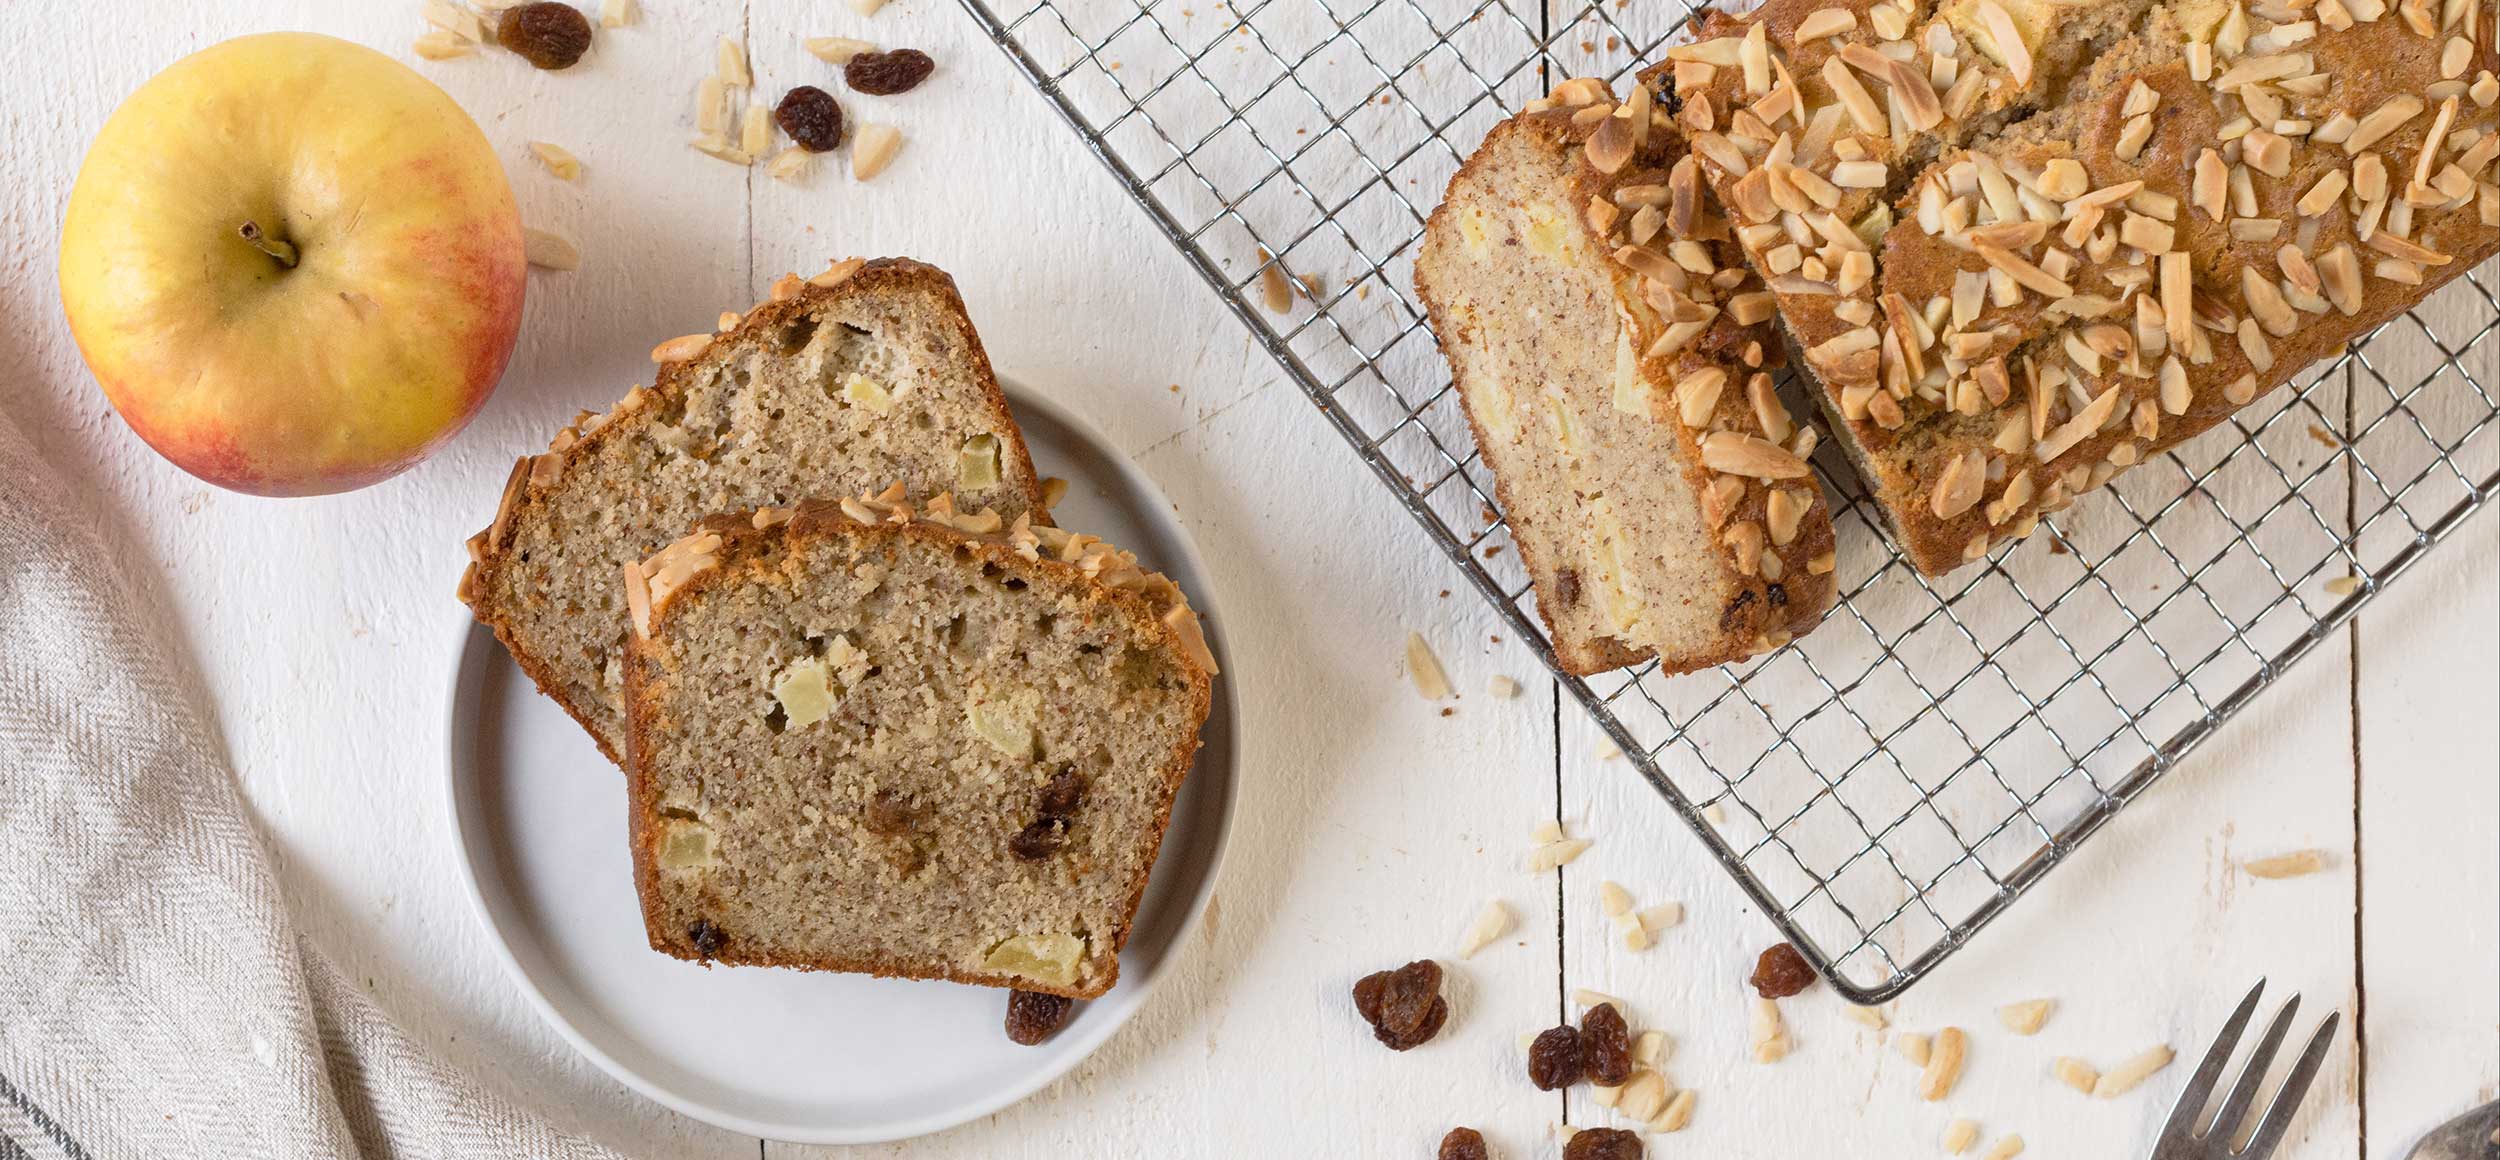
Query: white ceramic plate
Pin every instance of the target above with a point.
(793, 1055)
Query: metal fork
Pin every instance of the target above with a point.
(2190, 1136)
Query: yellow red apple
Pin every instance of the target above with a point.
(293, 264)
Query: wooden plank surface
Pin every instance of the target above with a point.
(1373, 826)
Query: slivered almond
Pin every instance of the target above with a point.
(2031, 277)
(2267, 304)
(1754, 57)
(2267, 153)
(558, 160)
(1959, 485)
(2007, 1147)
(2383, 120)
(2340, 270)
(1824, 22)
(2175, 392)
(1424, 670)
(1610, 146)
(1557, 854)
(2178, 306)
(2082, 426)
(2027, 1017)
(1915, 1046)
(2075, 1073)
(1751, 456)
(2323, 195)
(2008, 40)
(1944, 1064)
(1697, 396)
(2124, 1078)
(549, 251)
(1770, 1033)
(2407, 251)
(1863, 111)
(681, 348)
(2240, 390)
(2290, 865)
(1768, 410)
(1745, 541)
(1959, 1136)
(835, 49)
(1783, 511)
(872, 149)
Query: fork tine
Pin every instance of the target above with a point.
(2226, 1124)
(2286, 1104)
(2200, 1087)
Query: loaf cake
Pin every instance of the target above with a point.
(924, 743)
(1612, 354)
(864, 375)
(2024, 245)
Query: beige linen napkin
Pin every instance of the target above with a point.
(155, 1000)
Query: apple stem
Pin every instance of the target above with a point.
(279, 248)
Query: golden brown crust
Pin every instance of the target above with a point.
(2192, 199)
(528, 484)
(1760, 609)
(744, 542)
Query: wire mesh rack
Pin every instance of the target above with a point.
(1892, 781)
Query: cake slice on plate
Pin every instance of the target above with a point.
(865, 375)
(912, 742)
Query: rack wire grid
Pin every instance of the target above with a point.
(1892, 781)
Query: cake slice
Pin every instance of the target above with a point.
(1611, 351)
(913, 743)
(865, 375)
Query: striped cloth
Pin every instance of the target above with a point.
(155, 999)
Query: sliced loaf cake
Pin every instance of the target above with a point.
(919, 743)
(1613, 356)
(865, 375)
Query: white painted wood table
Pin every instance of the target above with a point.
(1372, 827)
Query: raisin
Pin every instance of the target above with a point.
(1462, 1144)
(546, 34)
(1062, 797)
(1404, 1006)
(1038, 840)
(811, 117)
(1033, 1017)
(883, 74)
(890, 815)
(1606, 1045)
(1603, 1144)
(1779, 596)
(707, 939)
(1781, 972)
(1567, 586)
(1730, 617)
(1555, 1059)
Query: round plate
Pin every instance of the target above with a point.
(803, 1056)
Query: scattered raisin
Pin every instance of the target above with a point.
(707, 939)
(1064, 794)
(1606, 1044)
(1781, 972)
(883, 74)
(1603, 1144)
(1033, 1017)
(1732, 615)
(1779, 596)
(1567, 587)
(1555, 1059)
(1404, 1006)
(1462, 1144)
(546, 34)
(1038, 840)
(811, 117)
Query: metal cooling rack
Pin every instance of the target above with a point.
(1894, 780)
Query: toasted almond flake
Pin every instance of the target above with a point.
(1916, 1047)
(2267, 153)
(1769, 412)
(1424, 669)
(1782, 513)
(2240, 390)
(1697, 396)
(2124, 1078)
(2383, 120)
(2406, 251)
(2147, 234)
(2082, 426)
(440, 45)
(548, 251)
(2253, 344)
(2178, 299)
(2026, 1017)
(2131, 137)
(681, 348)
(2024, 273)
(2323, 195)
(1959, 485)
(836, 49)
(2296, 863)
(1770, 1033)
(1609, 147)
(1650, 1048)
(2008, 40)
(1751, 456)
(1744, 541)
(2266, 303)
(2006, 1148)
(2340, 270)
(2064, 179)
(619, 13)
(558, 160)
(1490, 924)
(1824, 22)
(1944, 1065)
(2455, 57)
(1678, 1113)
(1959, 1136)
(1555, 855)
(731, 66)
(872, 149)
(1860, 175)
(1863, 112)
(1754, 56)
(718, 148)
